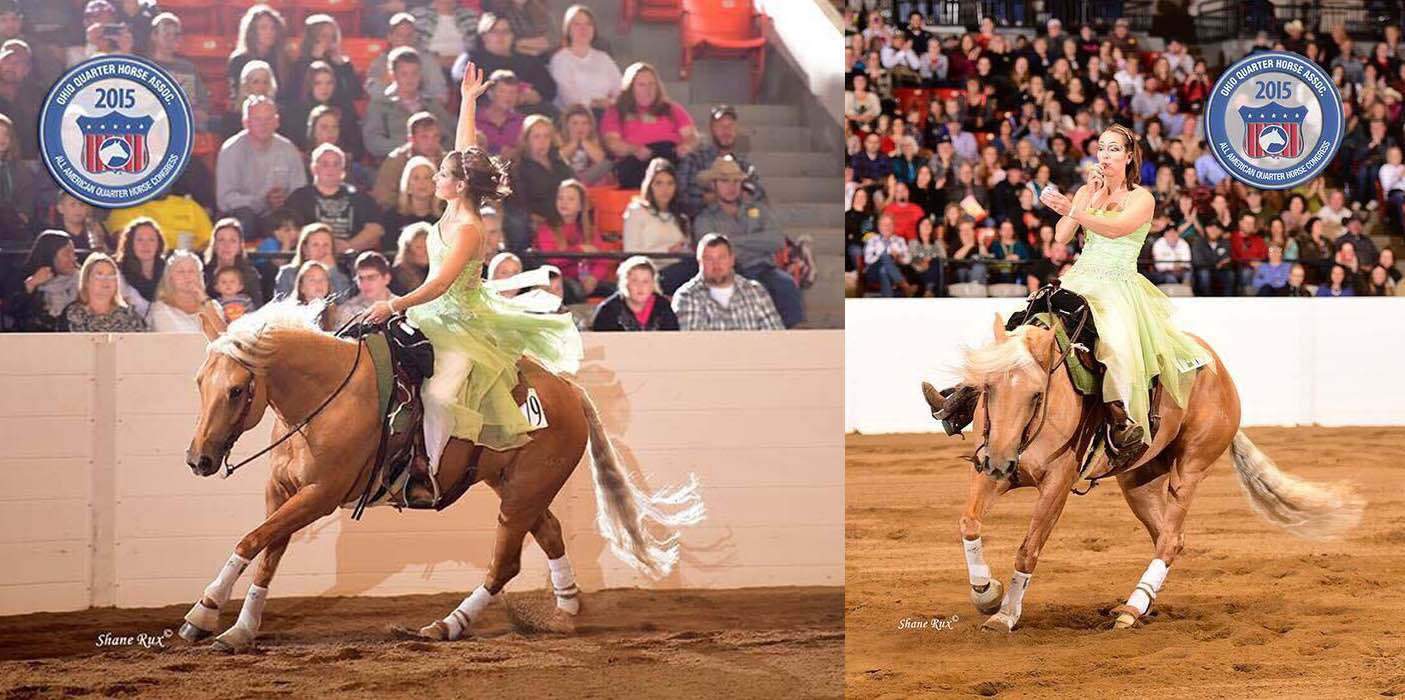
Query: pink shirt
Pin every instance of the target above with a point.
(546, 242)
(643, 129)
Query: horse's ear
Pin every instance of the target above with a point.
(1000, 334)
(209, 328)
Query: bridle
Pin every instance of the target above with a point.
(249, 387)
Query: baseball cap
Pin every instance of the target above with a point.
(723, 110)
(399, 17)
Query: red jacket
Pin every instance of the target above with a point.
(905, 217)
(1244, 248)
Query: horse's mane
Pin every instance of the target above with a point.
(249, 339)
(998, 360)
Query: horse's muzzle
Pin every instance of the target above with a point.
(1001, 469)
(201, 464)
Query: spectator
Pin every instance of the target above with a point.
(530, 22)
(423, 139)
(1379, 283)
(1387, 260)
(1333, 213)
(321, 42)
(256, 75)
(80, 221)
(1212, 258)
(499, 120)
(584, 75)
(1271, 278)
(637, 305)
(46, 284)
(1346, 257)
(20, 97)
(718, 299)
(229, 292)
(966, 185)
(1297, 276)
(411, 259)
(503, 266)
(859, 222)
(492, 231)
(536, 89)
(1367, 159)
(861, 106)
(884, 254)
(181, 301)
(536, 182)
(99, 307)
(257, 168)
(1314, 250)
(445, 30)
(315, 242)
(324, 126)
(263, 35)
(570, 229)
(416, 201)
(320, 88)
(962, 141)
(971, 249)
(388, 114)
(926, 270)
(182, 221)
(582, 150)
(141, 259)
(165, 45)
(753, 232)
(352, 215)
(314, 282)
(905, 214)
(1337, 285)
(654, 224)
(1173, 259)
(372, 284)
(226, 251)
(1012, 252)
(722, 125)
(645, 124)
(1392, 180)
(17, 184)
(1249, 248)
(1362, 244)
(872, 165)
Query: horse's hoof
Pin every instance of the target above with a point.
(234, 639)
(988, 601)
(1127, 617)
(193, 634)
(570, 607)
(999, 622)
(435, 631)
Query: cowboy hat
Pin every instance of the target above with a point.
(724, 168)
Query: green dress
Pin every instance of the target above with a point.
(1136, 340)
(493, 331)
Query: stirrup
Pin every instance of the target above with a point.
(1125, 437)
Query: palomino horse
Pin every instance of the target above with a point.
(276, 357)
(1016, 374)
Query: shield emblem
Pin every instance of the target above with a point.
(115, 142)
(1273, 131)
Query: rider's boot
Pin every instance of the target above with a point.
(1123, 432)
(955, 407)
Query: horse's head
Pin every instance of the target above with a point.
(232, 400)
(1012, 372)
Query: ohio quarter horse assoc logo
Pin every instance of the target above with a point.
(1274, 120)
(116, 131)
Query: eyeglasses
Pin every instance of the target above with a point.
(105, 276)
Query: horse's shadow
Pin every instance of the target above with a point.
(363, 566)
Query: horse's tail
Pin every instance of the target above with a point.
(1304, 508)
(622, 508)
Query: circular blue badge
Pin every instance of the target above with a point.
(116, 131)
(1274, 120)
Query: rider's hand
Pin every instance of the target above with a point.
(473, 84)
(379, 312)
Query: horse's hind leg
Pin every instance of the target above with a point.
(1161, 503)
(986, 592)
(507, 561)
(547, 533)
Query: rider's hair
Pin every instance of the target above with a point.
(1133, 175)
(485, 175)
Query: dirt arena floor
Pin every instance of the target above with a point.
(1246, 612)
(628, 643)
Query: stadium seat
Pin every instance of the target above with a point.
(206, 145)
(196, 16)
(231, 11)
(609, 205)
(665, 11)
(947, 93)
(363, 51)
(727, 28)
(347, 13)
(908, 98)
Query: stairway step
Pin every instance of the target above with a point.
(794, 163)
(783, 189)
(810, 214)
(752, 114)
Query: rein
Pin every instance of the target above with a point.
(249, 401)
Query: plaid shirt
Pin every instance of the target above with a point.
(750, 309)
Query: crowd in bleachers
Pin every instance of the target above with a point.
(951, 138)
(320, 128)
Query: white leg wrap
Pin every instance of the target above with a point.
(1014, 596)
(464, 614)
(1148, 587)
(975, 562)
(218, 590)
(251, 615)
(563, 583)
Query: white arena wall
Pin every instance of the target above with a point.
(1295, 361)
(97, 507)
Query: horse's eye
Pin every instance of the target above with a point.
(236, 392)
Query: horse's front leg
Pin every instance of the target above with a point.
(986, 592)
(1053, 494)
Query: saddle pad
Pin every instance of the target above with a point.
(1083, 379)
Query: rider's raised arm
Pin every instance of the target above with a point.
(472, 87)
(468, 240)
